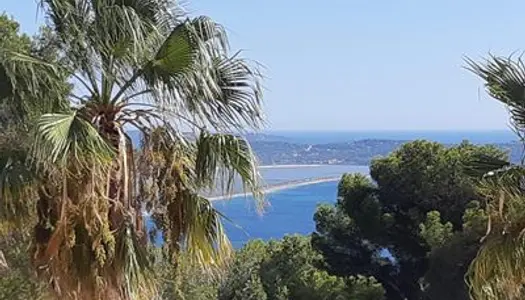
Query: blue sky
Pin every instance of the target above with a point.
(364, 65)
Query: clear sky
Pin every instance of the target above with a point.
(364, 65)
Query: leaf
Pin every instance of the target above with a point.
(504, 79)
(220, 157)
(64, 136)
(482, 165)
(134, 263)
(188, 45)
(203, 235)
(16, 182)
(224, 93)
(147, 9)
(6, 89)
(39, 86)
(239, 99)
(177, 53)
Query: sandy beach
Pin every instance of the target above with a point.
(280, 187)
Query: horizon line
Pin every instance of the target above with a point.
(391, 130)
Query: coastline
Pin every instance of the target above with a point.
(288, 166)
(279, 187)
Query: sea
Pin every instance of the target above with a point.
(290, 211)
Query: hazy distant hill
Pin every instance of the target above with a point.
(350, 153)
(277, 150)
(262, 137)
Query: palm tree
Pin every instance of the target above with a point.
(498, 271)
(131, 64)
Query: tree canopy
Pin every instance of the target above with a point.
(395, 225)
(290, 269)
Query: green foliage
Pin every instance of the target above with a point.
(416, 206)
(290, 269)
(364, 288)
(364, 207)
(497, 270)
(282, 269)
(433, 231)
(184, 280)
(475, 218)
(447, 266)
(10, 40)
(10, 36)
(449, 262)
(243, 280)
(18, 281)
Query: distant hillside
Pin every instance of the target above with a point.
(278, 150)
(350, 153)
(262, 137)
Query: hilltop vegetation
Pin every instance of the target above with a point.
(421, 205)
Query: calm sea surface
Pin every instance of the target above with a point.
(290, 211)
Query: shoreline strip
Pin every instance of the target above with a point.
(279, 187)
(289, 166)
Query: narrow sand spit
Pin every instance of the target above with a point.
(280, 187)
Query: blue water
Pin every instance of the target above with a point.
(286, 174)
(291, 211)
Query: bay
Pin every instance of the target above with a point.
(290, 211)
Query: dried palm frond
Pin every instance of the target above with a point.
(132, 64)
(497, 272)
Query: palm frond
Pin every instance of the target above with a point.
(6, 88)
(193, 76)
(481, 165)
(212, 35)
(238, 101)
(147, 9)
(38, 85)
(204, 237)
(504, 79)
(165, 14)
(497, 272)
(17, 197)
(176, 55)
(61, 137)
(222, 157)
(189, 43)
(133, 262)
(174, 176)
